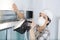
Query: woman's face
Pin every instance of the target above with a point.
(45, 17)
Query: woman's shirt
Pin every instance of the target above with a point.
(35, 35)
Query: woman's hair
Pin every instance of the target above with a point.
(48, 20)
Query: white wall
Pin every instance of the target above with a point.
(23, 4)
(59, 29)
(6, 4)
(53, 5)
(37, 6)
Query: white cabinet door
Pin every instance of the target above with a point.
(59, 29)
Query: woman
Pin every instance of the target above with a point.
(40, 31)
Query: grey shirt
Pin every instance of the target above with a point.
(44, 35)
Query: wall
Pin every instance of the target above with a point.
(53, 5)
(6, 4)
(59, 29)
(23, 4)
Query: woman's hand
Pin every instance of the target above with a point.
(32, 33)
(33, 24)
(14, 7)
(19, 14)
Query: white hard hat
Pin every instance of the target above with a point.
(48, 13)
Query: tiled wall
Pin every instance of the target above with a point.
(7, 15)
